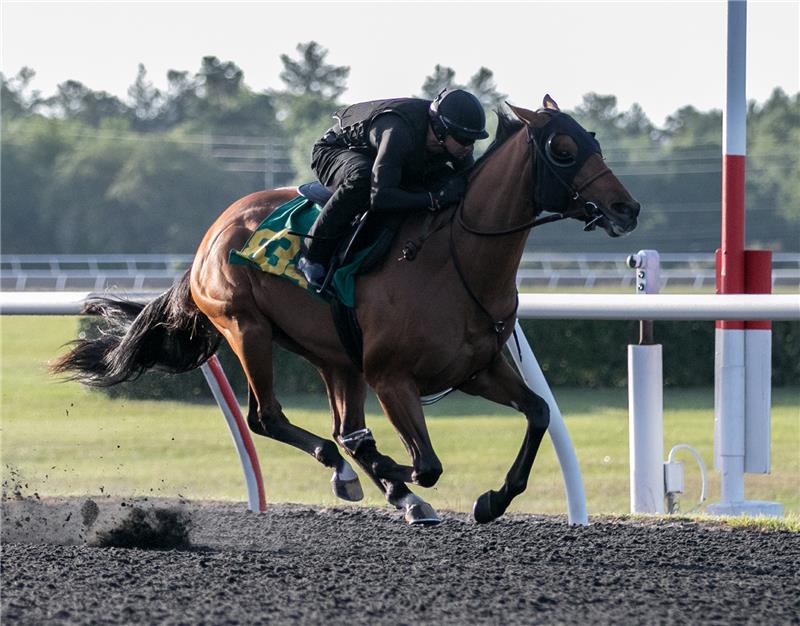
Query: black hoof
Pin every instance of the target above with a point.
(486, 508)
(422, 514)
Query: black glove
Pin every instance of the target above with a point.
(450, 193)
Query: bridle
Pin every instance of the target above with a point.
(591, 215)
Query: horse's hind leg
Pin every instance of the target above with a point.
(251, 340)
(347, 393)
(502, 384)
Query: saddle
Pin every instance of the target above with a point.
(368, 230)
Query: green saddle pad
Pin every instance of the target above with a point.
(272, 249)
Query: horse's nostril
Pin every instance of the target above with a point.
(627, 208)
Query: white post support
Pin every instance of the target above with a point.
(758, 368)
(646, 428)
(223, 394)
(532, 373)
(758, 400)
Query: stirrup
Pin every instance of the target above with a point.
(313, 272)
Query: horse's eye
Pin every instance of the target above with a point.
(563, 157)
(558, 155)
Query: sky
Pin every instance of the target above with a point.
(662, 55)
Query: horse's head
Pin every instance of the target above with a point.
(571, 177)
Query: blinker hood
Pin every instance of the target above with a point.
(554, 175)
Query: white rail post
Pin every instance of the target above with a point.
(223, 394)
(645, 399)
(528, 366)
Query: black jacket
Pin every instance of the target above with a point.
(394, 133)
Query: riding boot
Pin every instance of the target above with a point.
(349, 199)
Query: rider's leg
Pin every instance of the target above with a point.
(349, 173)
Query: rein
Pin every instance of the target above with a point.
(498, 326)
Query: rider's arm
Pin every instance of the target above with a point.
(393, 138)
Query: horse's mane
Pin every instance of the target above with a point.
(507, 126)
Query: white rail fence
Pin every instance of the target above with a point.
(540, 271)
(545, 306)
(777, 307)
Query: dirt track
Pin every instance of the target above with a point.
(298, 564)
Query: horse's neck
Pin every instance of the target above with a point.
(499, 199)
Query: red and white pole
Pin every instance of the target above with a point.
(223, 394)
(729, 357)
(741, 382)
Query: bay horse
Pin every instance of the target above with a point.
(435, 323)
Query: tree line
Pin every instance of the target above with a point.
(84, 171)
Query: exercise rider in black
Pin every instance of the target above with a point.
(397, 155)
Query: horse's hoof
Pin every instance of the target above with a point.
(421, 514)
(349, 490)
(483, 511)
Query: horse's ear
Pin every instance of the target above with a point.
(524, 115)
(549, 103)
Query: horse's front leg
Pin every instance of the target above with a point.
(400, 401)
(501, 383)
(347, 392)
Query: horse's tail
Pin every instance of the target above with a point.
(170, 334)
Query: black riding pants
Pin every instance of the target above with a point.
(349, 173)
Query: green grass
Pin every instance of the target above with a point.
(64, 440)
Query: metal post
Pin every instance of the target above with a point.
(730, 380)
(645, 398)
(729, 352)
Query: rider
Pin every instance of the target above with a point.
(396, 155)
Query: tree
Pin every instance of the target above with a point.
(146, 100)
(483, 86)
(443, 77)
(313, 87)
(635, 122)
(14, 96)
(30, 148)
(311, 75)
(688, 127)
(167, 194)
(76, 101)
(773, 180)
(220, 82)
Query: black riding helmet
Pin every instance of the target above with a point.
(457, 113)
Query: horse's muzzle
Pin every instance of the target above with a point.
(622, 218)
